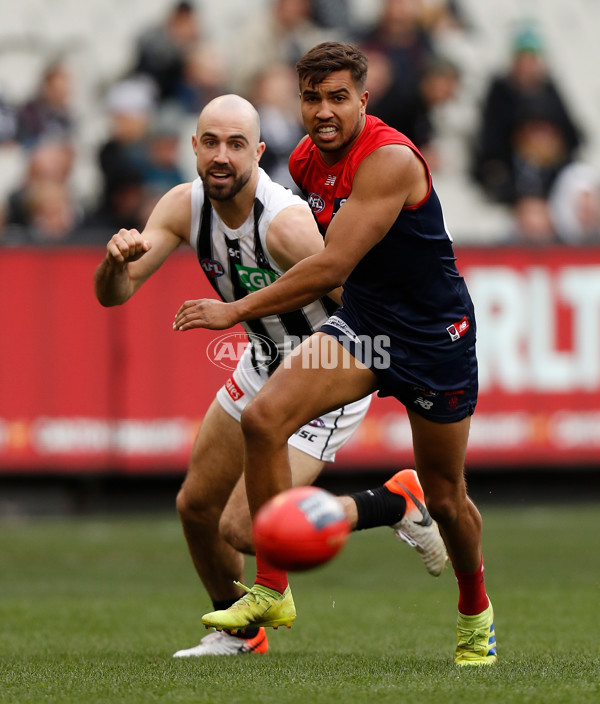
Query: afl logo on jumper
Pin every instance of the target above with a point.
(212, 267)
(316, 202)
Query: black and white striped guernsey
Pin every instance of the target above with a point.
(237, 262)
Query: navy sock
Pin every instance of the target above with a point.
(222, 605)
(247, 633)
(378, 507)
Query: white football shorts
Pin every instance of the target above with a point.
(321, 438)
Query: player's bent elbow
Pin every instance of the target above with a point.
(335, 277)
(330, 270)
(106, 303)
(109, 300)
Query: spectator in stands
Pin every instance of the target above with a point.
(52, 215)
(275, 97)
(527, 134)
(123, 157)
(42, 208)
(162, 171)
(453, 36)
(8, 122)
(161, 50)
(440, 16)
(283, 36)
(123, 201)
(574, 204)
(407, 79)
(332, 14)
(400, 35)
(532, 224)
(437, 85)
(48, 114)
(204, 77)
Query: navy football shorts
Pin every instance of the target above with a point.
(444, 392)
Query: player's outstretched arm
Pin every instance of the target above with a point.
(362, 221)
(131, 257)
(292, 237)
(298, 287)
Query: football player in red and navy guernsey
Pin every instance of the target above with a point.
(406, 328)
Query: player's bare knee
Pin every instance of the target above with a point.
(254, 419)
(194, 508)
(184, 503)
(259, 421)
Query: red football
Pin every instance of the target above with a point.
(300, 528)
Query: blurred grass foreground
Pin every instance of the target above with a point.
(92, 609)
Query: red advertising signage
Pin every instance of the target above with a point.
(84, 388)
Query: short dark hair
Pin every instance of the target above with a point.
(328, 57)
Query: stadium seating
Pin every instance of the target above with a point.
(97, 37)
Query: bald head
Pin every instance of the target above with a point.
(231, 112)
(228, 148)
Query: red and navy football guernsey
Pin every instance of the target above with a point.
(407, 286)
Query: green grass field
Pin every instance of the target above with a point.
(91, 611)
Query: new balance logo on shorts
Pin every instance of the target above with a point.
(423, 403)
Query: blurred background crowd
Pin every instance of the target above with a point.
(98, 102)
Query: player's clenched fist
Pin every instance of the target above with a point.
(127, 246)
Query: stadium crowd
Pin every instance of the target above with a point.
(525, 156)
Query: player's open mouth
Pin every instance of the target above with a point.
(220, 175)
(327, 132)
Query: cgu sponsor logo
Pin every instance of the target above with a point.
(254, 279)
(538, 328)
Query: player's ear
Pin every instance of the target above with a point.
(364, 99)
(195, 144)
(260, 150)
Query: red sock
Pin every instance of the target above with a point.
(269, 576)
(472, 598)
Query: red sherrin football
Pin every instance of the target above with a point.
(300, 528)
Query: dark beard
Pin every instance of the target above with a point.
(226, 192)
